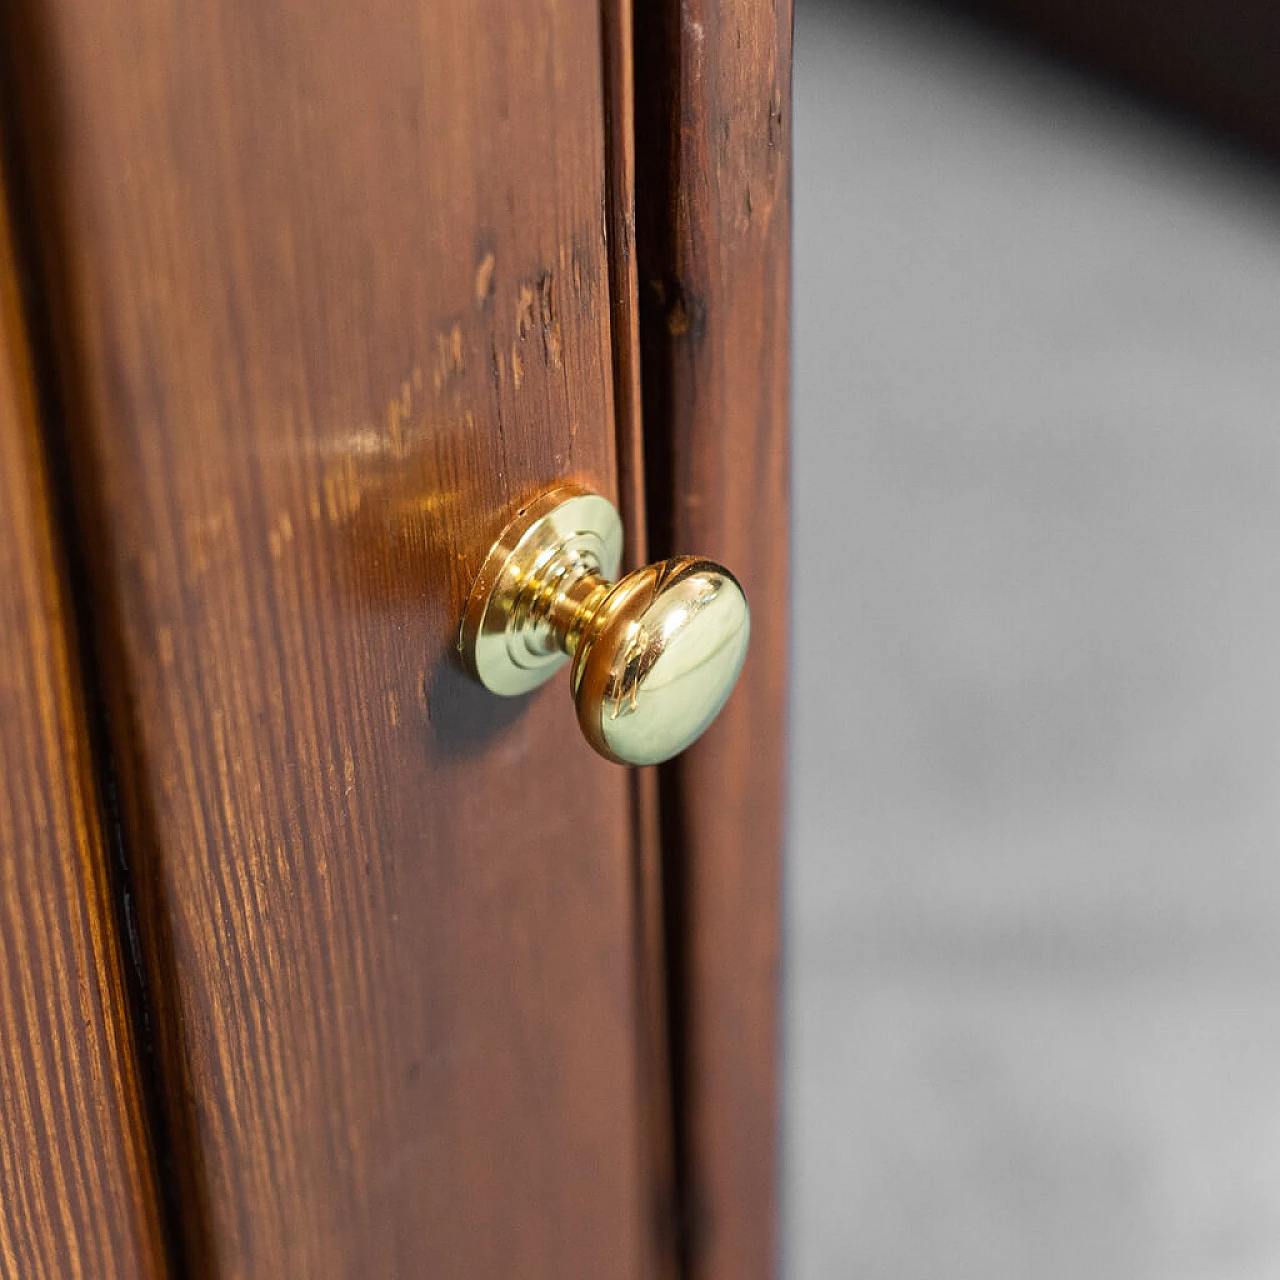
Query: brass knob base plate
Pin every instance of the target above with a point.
(508, 639)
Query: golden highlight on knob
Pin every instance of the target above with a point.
(653, 656)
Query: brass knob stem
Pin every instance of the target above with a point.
(654, 655)
(569, 600)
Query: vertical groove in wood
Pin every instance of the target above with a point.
(618, 66)
(658, 1175)
(713, 247)
(78, 1194)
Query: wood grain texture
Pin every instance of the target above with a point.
(77, 1188)
(334, 298)
(1216, 59)
(713, 231)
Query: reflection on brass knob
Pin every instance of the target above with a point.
(655, 655)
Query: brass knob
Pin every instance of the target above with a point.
(654, 655)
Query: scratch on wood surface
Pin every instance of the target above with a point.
(342, 492)
(450, 356)
(484, 279)
(775, 130)
(496, 364)
(574, 427)
(517, 367)
(502, 437)
(524, 312)
(400, 409)
(552, 339)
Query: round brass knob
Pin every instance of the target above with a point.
(654, 655)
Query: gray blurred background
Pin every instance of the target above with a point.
(1033, 957)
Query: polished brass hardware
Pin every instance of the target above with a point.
(655, 654)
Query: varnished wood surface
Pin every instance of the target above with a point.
(77, 1189)
(333, 295)
(713, 227)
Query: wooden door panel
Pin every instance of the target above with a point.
(713, 236)
(77, 1189)
(332, 289)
